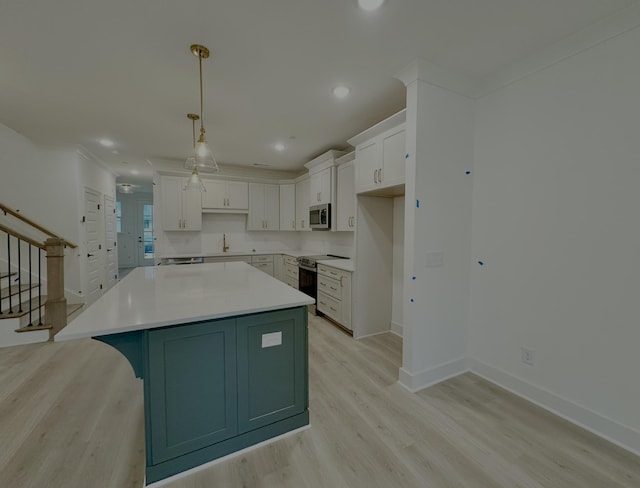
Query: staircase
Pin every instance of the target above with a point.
(32, 304)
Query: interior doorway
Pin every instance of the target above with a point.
(135, 226)
(93, 240)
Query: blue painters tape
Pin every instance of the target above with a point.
(412, 300)
(418, 203)
(481, 263)
(467, 172)
(406, 156)
(413, 277)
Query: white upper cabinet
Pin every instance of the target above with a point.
(264, 207)
(323, 181)
(181, 209)
(225, 196)
(346, 197)
(288, 206)
(303, 191)
(380, 157)
(321, 191)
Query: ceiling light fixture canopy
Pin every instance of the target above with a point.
(370, 4)
(194, 182)
(201, 157)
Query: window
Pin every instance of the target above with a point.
(119, 216)
(147, 232)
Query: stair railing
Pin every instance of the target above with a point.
(53, 250)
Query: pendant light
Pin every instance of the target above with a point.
(201, 157)
(194, 182)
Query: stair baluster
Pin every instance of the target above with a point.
(9, 270)
(30, 288)
(40, 251)
(18, 279)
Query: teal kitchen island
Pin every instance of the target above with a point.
(221, 349)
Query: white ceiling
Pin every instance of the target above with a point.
(75, 71)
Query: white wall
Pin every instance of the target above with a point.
(555, 220)
(47, 186)
(397, 301)
(439, 135)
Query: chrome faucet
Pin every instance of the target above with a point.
(225, 247)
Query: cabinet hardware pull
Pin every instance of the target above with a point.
(380, 175)
(375, 175)
(333, 309)
(334, 289)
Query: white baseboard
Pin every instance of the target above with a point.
(397, 328)
(614, 432)
(429, 377)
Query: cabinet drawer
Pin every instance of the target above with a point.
(334, 273)
(292, 282)
(329, 306)
(330, 286)
(291, 261)
(291, 271)
(266, 267)
(262, 259)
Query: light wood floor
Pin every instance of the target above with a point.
(71, 416)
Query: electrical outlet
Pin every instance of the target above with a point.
(526, 355)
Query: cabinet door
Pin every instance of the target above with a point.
(346, 198)
(393, 157)
(190, 388)
(288, 207)
(256, 220)
(216, 194)
(367, 164)
(272, 367)
(171, 197)
(303, 190)
(237, 195)
(191, 208)
(272, 207)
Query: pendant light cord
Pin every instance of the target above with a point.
(201, 113)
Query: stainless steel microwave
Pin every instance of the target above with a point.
(320, 217)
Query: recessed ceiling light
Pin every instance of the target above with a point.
(135, 172)
(279, 146)
(115, 151)
(106, 142)
(341, 91)
(370, 4)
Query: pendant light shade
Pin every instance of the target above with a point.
(201, 158)
(194, 182)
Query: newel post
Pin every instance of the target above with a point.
(55, 308)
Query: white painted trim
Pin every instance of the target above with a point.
(428, 377)
(422, 70)
(397, 328)
(621, 435)
(191, 471)
(371, 335)
(608, 28)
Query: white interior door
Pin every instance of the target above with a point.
(145, 229)
(111, 260)
(94, 237)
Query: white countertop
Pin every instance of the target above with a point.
(294, 254)
(167, 295)
(344, 264)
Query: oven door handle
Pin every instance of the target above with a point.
(302, 266)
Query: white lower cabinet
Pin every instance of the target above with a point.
(263, 263)
(334, 294)
(291, 271)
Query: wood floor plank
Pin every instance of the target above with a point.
(71, 415)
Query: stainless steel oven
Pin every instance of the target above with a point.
(320, 217)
